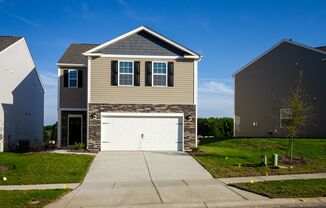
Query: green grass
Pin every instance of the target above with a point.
(222, 158)
(287, 188)
(29, 198)
(41, 168)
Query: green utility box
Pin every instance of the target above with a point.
(275, 160)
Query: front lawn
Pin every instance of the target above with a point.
(41, 168)
(29, 198)
(241, 157)
(287, 188)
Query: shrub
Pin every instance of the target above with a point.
(79, 146)
(217, 127)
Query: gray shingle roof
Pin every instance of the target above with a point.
(322, 48)
(73, 54)
(6, 41)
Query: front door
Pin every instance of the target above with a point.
(75, 130)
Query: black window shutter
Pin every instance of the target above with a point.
(80, 78)
(65, 78)
(170, 74)
(114, 73)
(148, 73)
(136, 73)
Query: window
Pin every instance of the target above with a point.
(73, 78)
(159, 74)
(126, 73)
(285, 117)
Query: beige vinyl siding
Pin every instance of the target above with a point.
(103, 92)
(73, 97)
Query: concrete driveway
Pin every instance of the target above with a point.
(150, 179)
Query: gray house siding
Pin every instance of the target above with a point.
(142, 43)
(261, 87)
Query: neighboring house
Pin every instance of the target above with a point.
(262, 86)
(135, 92)
(21, 95)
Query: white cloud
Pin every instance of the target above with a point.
(23, 19)
(49, 79)
(215, 87)
(215, 106)
(215, 98)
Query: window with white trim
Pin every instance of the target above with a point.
(285, 117)
(159, 74)
(73, 78)
(126, 73)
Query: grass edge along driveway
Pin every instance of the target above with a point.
(241, 156)
(287, 188)
(29, 198)
(43, 168)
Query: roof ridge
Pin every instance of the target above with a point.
(84, 43)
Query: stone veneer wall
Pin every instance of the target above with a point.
(64, 126)
(94, 140)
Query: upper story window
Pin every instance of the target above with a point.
(285, 117)
(73, 78)
(160, 74)
(126, 73)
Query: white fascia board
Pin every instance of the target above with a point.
(88, 97)
(89, 80)
(142, 114)
(12, 45)
(147, 30)
(276, 45)
(69, 65)
(139, 56)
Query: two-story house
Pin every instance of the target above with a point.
(263, 85)
(135, 92)
(21, 95)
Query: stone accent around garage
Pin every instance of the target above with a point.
(95, 110)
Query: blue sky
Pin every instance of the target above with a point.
(227, 33)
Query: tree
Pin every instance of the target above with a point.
(299, 113)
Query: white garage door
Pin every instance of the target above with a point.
(141, 132)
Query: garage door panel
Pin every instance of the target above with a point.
(141, 133)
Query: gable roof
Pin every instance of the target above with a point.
(74, 54)
(6, 41)
(97, 50)
(322, 48)
(276, 45)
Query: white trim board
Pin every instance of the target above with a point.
(139, 56)
(136, 31)
(276, 45)
(142, 114)
(68, 65)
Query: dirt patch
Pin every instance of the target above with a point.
(199, 153)
(295, 160)
(3, 169)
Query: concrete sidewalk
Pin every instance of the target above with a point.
(272, 178)
(165, 179)
(40, 186)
